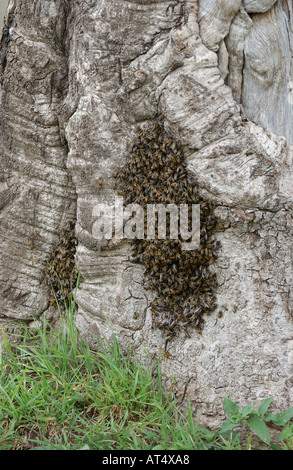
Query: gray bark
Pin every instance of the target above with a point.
(77, 79)
(3, 6)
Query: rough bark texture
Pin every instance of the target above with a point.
(77, 79)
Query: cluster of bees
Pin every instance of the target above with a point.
(60, 272)
(155, 173)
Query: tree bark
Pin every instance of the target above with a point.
(78, 77)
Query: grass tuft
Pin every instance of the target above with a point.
(57, 394)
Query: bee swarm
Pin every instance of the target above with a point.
(155, 173)
(60, 273)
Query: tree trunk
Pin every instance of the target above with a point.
(78, 77)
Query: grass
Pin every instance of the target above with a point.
(57, 394)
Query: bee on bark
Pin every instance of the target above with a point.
(60, 273)
(156, 172)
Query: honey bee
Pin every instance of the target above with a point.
(100, 183)
(60, 273)
(156, 172)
